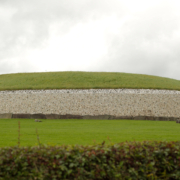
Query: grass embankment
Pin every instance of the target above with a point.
(85, 80)
(85, 132)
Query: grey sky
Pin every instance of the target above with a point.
(141, 36)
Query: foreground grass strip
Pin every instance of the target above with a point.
(147, 160)
(85, 80)
(85, 132)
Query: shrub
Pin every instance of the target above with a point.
(145, 160)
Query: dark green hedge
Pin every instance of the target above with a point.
(131, 161)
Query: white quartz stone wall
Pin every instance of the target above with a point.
(117, 102)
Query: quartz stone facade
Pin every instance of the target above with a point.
(93, 102)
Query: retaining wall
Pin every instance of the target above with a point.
(91, 104)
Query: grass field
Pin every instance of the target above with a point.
(85, 132)
(84, 80)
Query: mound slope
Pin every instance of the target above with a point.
(85, 80)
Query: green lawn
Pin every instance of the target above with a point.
(85, 132)
(85, 80)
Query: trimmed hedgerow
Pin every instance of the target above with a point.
(131, 161)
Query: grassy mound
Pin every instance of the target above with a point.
(85, 80)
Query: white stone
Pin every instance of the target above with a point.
(117, 102)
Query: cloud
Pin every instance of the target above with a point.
(118, 35)
(147, 45)
(28, 25)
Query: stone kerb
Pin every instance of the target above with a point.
(6, 116)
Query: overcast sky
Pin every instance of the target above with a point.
(133, 36)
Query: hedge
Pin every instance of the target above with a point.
(131, 161)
